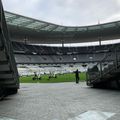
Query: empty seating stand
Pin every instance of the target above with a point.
(9, 82)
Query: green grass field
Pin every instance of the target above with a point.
(60, 78)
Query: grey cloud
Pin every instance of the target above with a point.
(67, 12)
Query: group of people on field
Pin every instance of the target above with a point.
(38, 77)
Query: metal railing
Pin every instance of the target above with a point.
(103, 69)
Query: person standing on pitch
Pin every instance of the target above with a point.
(77, 76)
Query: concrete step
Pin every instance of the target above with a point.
(4, 81)
(6, 72)
(4, 67)
(1, 47)
(3, 62)
(6, 76)
(3, 56)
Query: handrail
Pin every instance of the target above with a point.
(103, 72)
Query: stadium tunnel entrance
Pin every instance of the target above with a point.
(105, 68)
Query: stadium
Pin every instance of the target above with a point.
(25, 50)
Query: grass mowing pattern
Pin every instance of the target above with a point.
(60, 78)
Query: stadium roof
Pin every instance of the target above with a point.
(36, 31)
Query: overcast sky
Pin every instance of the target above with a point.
(67, 12)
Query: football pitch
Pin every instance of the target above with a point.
(70, 77)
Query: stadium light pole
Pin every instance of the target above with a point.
(62, 43)
(25, 39)
(100, 61)
(116, 58)
(99, 34)
(100, 44)
(100, 41)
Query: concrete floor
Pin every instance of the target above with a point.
(59, 101)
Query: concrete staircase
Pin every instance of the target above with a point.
(105, 77)
(9, 82)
